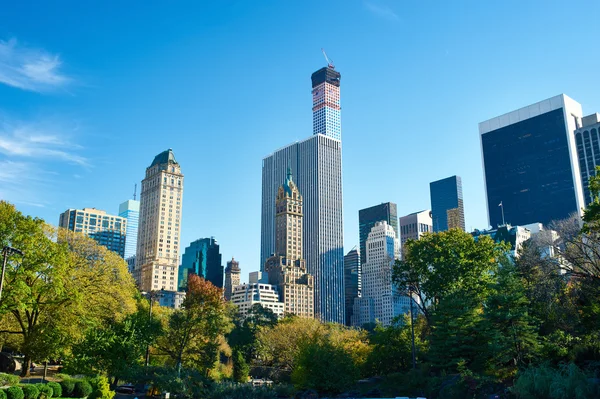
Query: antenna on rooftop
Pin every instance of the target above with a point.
(134, 191)
(329, 62)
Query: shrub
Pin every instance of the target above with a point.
(46, 391)
(56, 389)
(14, 393)
(67, 387)
(100, 388)
(545, 382)
(30, 391)
(241, 391)
(2, 394)
(9, 379)
(82, 389)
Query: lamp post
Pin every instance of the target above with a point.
(5, 252)
(412, 327)
(152, 295)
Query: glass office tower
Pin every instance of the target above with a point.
(447, 209)
(201, 257)
(130, 210)
(386, 212)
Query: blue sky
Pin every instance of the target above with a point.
(89, 94)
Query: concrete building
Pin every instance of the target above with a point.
(380, 300)
(447, 207)
(587, 140)
(245, 296)
(286, 268)
(202, 258)
(530, 163)
(130, 210)
(157, 257)
(352, 281)
(108, 230)
(413, 226)
(367, 218)
(232, 277)
(316, 163)
(171, 299)
(513, 235)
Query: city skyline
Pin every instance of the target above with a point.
(60, 131)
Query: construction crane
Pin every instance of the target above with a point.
(329, 62)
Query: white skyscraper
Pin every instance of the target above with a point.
(316, 163)
(381, 299)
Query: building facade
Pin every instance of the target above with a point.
(587, 141)
(316, 163)
(202, 258)
(352, 281)
(447, 208)
(530, 163)
(286, 268)
(245, 296)
(515, 236)
(232, 277)
(381, 300)
(369, 216)
(157, 256)
(130, 210)
(413, 226)
(326, 103)
(108, 230)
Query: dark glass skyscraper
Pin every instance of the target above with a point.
(369, 216)
(447, 209)
(530, 163)
(352, 281)
(202, 258)
(588, 151)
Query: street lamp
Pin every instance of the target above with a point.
(412, 327)
(5, 252)
(152, 295)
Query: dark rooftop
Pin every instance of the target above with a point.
(164, 157)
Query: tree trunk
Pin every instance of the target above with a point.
(115, 381)
(25, 366)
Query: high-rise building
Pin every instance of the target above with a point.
(515, 236)
(530, 163)
(245, 296)
(202, 258)
(326, 103)
(287, 269)
(380, 300)
(108, 230)
(413, 226)
(316, 163)
(157, 255)
(447, 209)
(352, 281)
(369, 216)
(130, 210)
(588, 151)
(232, 277)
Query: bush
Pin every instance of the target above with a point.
(14, 393)
(46, 391)
(2, 394)
(9, 379)
(30, 391)
(82, 389)
(241, 391)
(100, 388)
(545, 382)
(67, 387)
(56, 389)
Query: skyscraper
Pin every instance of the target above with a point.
(202, 257)
(447, 209)
(286, 268)
(107, 230)
(413, 226)
(369, 216)
(530, 163)
(130, 210)
(588, 151)
(157, 259)
(352, 281)
(381, 300)
(316, 163)
(232, 277)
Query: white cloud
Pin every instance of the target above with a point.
(382, 11)
(29, 68)
(19, 182)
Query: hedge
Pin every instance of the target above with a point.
(9, 379)
(82, 389)
(30, 391)
(56, 389)
(67, 388)
(14, 393)
(46, 391)
(2, 394)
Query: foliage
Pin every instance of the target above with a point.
(82, 389)
(243, 335)
(64, 284)
(14, 393)
(242, 391)
(67, 386)
(30, 391)
(3, 394)
(544, 382)
(100, 388)
(8, 379)
(186, 383)
(194, 334)
(46, 391)
(56, 389)
(240, 367)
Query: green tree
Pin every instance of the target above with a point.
(243, 336)
(241, 370)
(63, 285)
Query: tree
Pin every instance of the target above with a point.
(241, 370)
(243, 335)
(63, 285)
(442, 264)
(194, 333)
